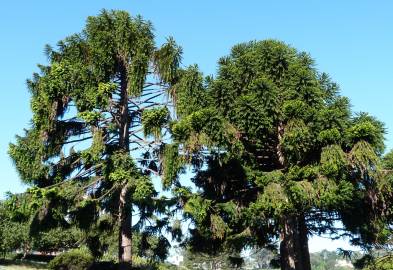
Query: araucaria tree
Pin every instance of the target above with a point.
(100, 110)
(278, 156)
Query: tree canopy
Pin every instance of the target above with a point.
(278, 154)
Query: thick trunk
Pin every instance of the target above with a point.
(125, 232)
(303, 243)
(294, 251)
(125, 203)
(287, 245)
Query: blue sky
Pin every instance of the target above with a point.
(350, 40)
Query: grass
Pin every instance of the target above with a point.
(20, 265)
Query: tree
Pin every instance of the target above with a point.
(100, 110)
(13, 235)
(381, 257)
(278, 155)
(15, 231)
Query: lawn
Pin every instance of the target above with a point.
(19, 265)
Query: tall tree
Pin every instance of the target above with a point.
(100, 110)
(278, 155)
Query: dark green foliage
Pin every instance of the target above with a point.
(167, 60)
(14, 236)
(154, 120)
(172, 165)
(85, 213)
(188, 91)
(278, 141)
(369, 129)
(370, 262)
(76, 259)
(57, 240)
(29, 155)
(388, 161)
(16, 233)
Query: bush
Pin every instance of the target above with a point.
(76, 259)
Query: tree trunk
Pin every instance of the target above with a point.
(125, 231)
(303, 243)
(125, 203)
(287, 245)
(294, 251)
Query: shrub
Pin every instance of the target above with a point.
(76, 259)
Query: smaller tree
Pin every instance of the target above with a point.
(17, 234)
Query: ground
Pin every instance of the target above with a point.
(7, 265)
(16, 267)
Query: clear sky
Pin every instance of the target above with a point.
(351, 40)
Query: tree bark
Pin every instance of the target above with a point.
(303, 243)
(124, 132)
(287, 245)
(125, 231)
(125, 203)
(294, 250)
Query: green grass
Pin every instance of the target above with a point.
(20, 265)
(17, 267)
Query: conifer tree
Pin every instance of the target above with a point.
(100, 110)
(278, 155)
